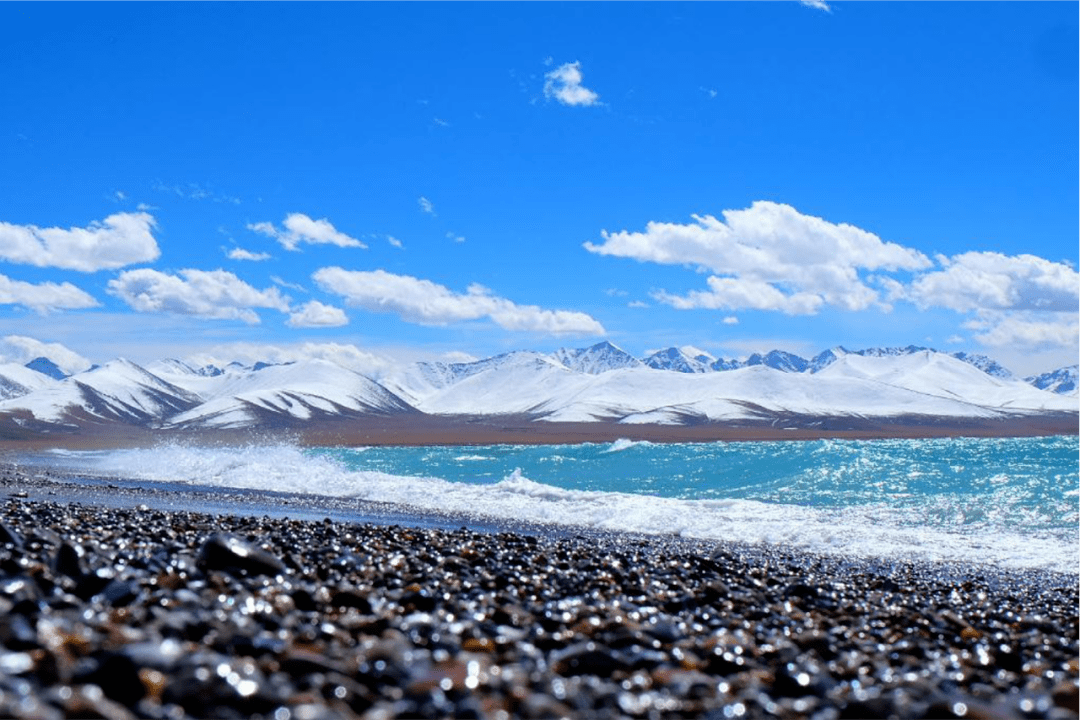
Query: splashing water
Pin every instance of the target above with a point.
(1009, 502)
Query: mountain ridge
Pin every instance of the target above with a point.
(600, 383)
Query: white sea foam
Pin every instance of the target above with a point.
(625, 444)
(874, 530)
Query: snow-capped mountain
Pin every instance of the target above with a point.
(423, 379)
(117, 391)
(888, 386)
(515, 383)
(943, 376)
(779, 360)
(684, 360)
(1062, 381)
(596, 359)
(47, 367)
(598, 383)
(18, 380)
(987, 365)
(296, 391)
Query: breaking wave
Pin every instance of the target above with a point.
(1000, 525)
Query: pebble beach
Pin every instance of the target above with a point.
(143, 610)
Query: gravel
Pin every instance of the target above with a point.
(119, 612)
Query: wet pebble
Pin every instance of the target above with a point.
(144, 613)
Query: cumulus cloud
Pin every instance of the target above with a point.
(299, 228)
(214, 294)
(22, 349)
(425, 205)
(817, 5)
(44, 297)
(427, 303)
(564, 85)
(767, 257)
(120, 239)
(1027, 330)
(992, 281)
(726, 293)
(242, 254)
(315, 314)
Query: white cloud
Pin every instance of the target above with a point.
(816, 4)
(458, 356)
(299, 228)
(425, 205)
(1031, 331)
(1019, 301)
(992, 281)
(767, 257)
(194, 191)
(45, 297)
(121, 239)
(316, 314)
(286, 284)
(428, 303)
(731, 320)
(242, 254)
(564, 85)
(395, 242)
(22, 349)
(727, 293)
(214, 294)
(455, 237)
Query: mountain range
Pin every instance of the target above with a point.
(601, 383)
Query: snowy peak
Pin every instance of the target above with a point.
(172, 366)
(987, 365)
(117, 391)
(47, 367)
(779, 360)
(18, 380)
(421, 380)
(679, 360)
(597, 383)
(597, 359)
(823, 359)
(1062, 381)
(286, 393)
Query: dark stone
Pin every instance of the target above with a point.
(10, 536)
(118, 677)
(351, 598)
(120, 593)
(69, 561)
(231, 554)
(17, 633)
(587, 658)
(93, 583)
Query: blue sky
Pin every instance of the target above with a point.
(389, 181)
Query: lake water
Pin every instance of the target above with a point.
(1008, 502)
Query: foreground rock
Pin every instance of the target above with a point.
(145, 613)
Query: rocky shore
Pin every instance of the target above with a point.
(119, 612)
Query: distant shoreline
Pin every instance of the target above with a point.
(416, 429)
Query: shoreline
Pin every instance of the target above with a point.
(139, 594)
(424, 430)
